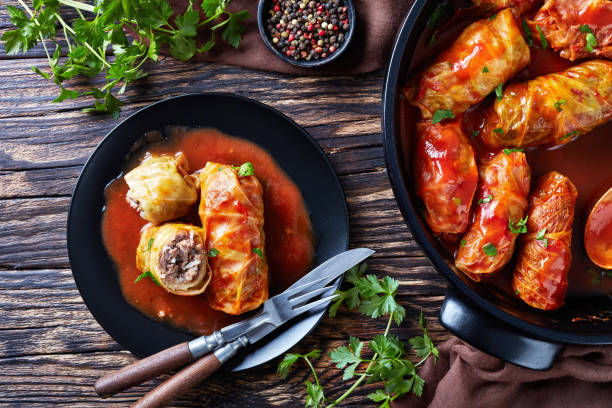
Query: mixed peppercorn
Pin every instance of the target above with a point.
(307, 30)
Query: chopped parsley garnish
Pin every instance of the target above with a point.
(149, 245)
(516, 291)
(212, 252)
(540, 237)
(450, 64)
(542, 38)
(258, 251)
(591, 41)
(486, 199)
(147, 274)
(489, 249)
(520, 227)
(493, 16)
(485, 70)
(599, 275)
(475, 133)
(528, 35)
(463, 242)
(442, 114)
(513, 150)
(246, 169)
(498, 91)
(558, 104)
(457, 201)
(570, 134)
(499, 131)
(441, 11)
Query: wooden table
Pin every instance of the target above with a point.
(51, 348)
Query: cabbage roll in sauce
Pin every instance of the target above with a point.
(502, 202)
(486, 54)
(232, 213)
(576, 28)
(160, 188)
(446, 176)
(174, 256)
(540, 275)
(552, 109)
(520, 5)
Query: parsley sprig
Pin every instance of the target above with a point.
(388, 365)
(97, 44)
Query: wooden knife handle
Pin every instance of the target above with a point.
(144, 370)
(182, 381)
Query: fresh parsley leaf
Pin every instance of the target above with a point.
(591, 42)
(570, 134)
(379, 396)
(147, 274)
(542, 38)
(516, 292)
(285, 365)
(245, 169)
(315, 397)
(258, 252)
(442, 114)
(558, 104)
(489, 249)
(493, 17)
(585, 29)
(475, 133)
(212, 7)
(485, 200)
(540, 237)
(66, 94)
(520, 227)
(212, 252)
(528, 34)
(498, 91)
(234, 30)
(463, 242)
(186, 23)
(149, 245)
(485, 70)
(513, 150)
(499, 131)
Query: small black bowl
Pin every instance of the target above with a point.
(264, 6)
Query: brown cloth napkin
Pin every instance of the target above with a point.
(378, 22)
(467, 377)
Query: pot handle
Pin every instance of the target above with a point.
(489, 334)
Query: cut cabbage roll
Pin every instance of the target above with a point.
(489, 243)
(540, 276)
(232, 213)
(520, 5)
(174, 255)
(576, 28)
(552, 109)
(446, 176)
(161, 188)
(486, 54)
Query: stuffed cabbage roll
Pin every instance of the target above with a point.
(232, 213)
(446, 175)
(576, 28)
(175, 256)
(552, 109)
(520, 5)
(489, 243)
(540, 277)
(486, 54)
(161, 188)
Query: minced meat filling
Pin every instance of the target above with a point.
(180, 259)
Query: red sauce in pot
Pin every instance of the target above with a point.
(289, 235)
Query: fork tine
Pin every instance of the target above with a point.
(297, 290)
(296, 301)
(312, 305)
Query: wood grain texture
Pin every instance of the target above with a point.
(51, 348)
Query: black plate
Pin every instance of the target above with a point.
(500, 325)
(292, 148)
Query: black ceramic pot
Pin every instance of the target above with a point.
(493, 321)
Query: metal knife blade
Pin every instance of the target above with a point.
(261, 325)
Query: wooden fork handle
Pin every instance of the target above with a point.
(179, 383)
(144, 370)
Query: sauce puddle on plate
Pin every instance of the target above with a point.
(289, 235)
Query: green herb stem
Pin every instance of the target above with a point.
(78, 5)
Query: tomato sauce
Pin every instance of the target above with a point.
(289, 235)
(598, 234)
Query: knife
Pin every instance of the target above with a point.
(230, 339)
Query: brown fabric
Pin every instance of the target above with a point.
(377, 24)
(467, 377)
